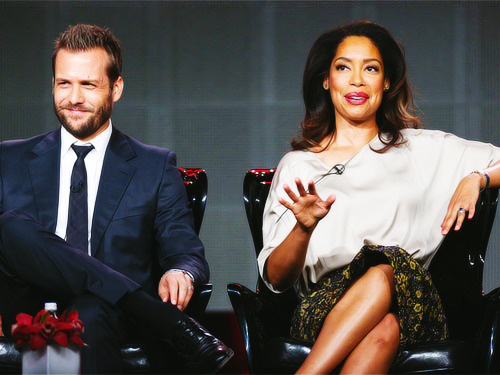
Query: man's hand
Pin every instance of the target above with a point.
(176, 288)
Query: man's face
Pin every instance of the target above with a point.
(83, 98)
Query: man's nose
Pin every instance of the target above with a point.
(76, 95)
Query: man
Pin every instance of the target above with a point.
(89, 216)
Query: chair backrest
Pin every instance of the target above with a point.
(196, 184)
(277, 309)
(456, 269)
(255, 190)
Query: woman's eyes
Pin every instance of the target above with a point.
(370, 68)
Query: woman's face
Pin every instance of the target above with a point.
(356, 81)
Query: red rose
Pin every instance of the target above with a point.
(49, 328)
(45, 328)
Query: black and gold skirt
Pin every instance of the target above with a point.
(417, 303)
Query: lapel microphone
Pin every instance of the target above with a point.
(339, 169)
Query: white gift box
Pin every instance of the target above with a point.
(51, 360)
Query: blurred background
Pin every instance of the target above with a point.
(219, 82)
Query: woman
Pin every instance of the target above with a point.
(375, 182)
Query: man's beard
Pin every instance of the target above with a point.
(91, 126)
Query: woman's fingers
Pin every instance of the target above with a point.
(467, 211)
(462, 204)
(472, 211)
(311, 195)
(457, 213)
(300, 187)
(461, 212)
(448, 219)
(312, 188)
(285, 203)
(329, 201)
(290, 193)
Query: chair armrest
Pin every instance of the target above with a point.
(199, 301)
(247, 307)
(10, 358)
(488, 358)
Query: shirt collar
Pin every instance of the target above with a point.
(100, 142)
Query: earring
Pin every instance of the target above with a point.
(325, 85)
(386, 88)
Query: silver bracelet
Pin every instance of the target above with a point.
(184, 272)
(483, 173)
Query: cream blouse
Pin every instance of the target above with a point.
(397, 198)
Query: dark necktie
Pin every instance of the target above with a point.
(78, 219)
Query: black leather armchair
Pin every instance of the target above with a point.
(457, 269)
(137, 357)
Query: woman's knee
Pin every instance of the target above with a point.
(386, 333)
(384, 269)
(381, 273)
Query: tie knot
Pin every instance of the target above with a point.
(81, 151)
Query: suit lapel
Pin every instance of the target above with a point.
(44, 174)
(115, 177)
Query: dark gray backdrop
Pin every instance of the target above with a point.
(219, 83)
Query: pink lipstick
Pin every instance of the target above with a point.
(356, 97)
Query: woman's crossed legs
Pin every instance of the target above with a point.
(360, 328)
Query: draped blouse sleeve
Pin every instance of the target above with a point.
(278, 222)
(441, 161)
(397, 198)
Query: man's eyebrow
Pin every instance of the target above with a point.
(82, 81)
(92, 81)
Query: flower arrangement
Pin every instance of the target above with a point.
(44, 329)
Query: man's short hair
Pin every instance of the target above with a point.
(82, 38)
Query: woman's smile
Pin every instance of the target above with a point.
(357, 98)
(356, 81)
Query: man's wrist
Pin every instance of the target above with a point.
(187, 274)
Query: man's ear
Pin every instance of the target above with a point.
(117, 89)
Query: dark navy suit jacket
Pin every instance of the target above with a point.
(142, 225)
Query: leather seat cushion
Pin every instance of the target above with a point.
(285, 355)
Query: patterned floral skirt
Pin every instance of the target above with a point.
(417, 303)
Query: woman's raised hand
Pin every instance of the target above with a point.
(308, 207)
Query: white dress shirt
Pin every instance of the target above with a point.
(397, 198)
(93, 165)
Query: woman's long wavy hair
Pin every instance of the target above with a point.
(397, 110)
